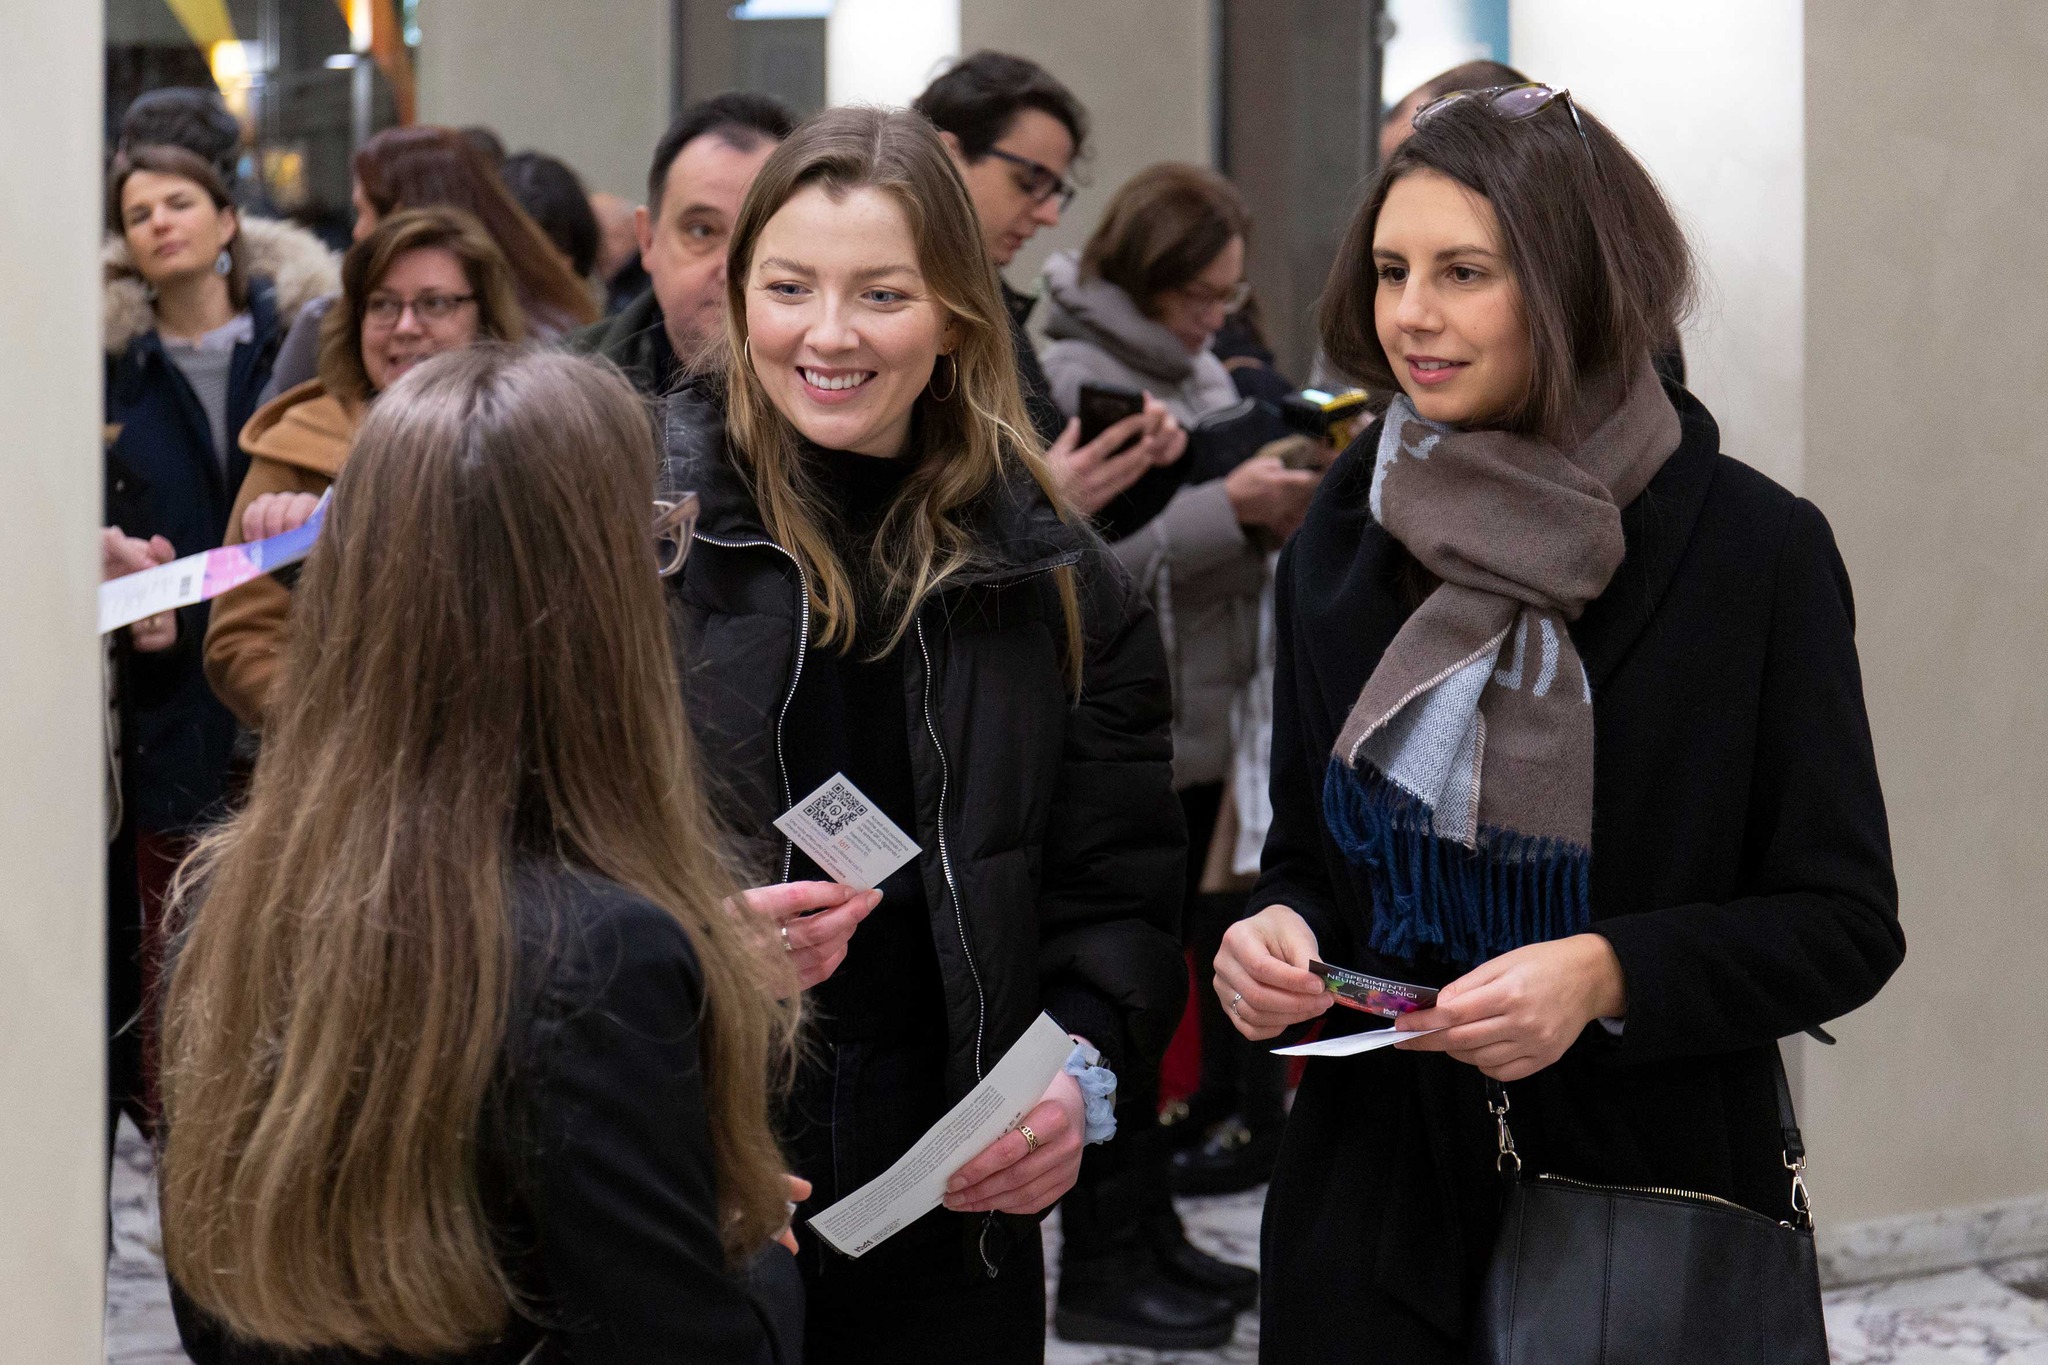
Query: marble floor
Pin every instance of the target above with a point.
(1993, 1314)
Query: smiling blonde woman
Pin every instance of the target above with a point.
(885, 587)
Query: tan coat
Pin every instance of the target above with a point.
(296, 444)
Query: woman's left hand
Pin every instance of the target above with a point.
(1516, 1014)
(799, 1190)
(1012, 1176)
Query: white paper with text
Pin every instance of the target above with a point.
(911, 1188)
(847, 835)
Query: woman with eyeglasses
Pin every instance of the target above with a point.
(1568, 723)
(424, 282)
(467, 1058)
(1140, 307)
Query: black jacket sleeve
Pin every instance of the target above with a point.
(1818, 933)
(1293, 868)
(1110, 965)
(619, 1171)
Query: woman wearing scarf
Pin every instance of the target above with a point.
(1568, 722)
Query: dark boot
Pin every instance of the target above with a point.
(1182, 1260)
(1114, 1288)
(1234, 1157)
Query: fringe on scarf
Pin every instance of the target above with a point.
(1434, 897)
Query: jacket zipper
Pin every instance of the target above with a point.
(946, 856)
(1664, 1190)
(803, 644)
(988, 1220)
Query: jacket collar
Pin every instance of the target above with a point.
(1098, 312)
(1656, 529)
(1016, 526)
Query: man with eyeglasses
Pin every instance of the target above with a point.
(1128, 1274)
(1015, 133)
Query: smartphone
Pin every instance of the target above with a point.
(1102, 406)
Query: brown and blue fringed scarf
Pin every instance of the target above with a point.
(1463, 780)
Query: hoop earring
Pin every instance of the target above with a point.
(951, 389)
(224, 263)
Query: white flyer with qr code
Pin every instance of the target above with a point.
(847, 835)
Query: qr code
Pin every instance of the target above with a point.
(835, 808)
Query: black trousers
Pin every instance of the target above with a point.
(1237, 1074)
(926, 1294)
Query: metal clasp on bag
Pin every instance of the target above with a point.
(1802, 1198)
(1505, 1138)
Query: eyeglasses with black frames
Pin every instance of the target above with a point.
(384, 310)
(1039, 181)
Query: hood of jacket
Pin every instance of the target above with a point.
(298, 265)
(304, 427)
(1099, 312)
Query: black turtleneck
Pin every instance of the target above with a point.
(851, 714)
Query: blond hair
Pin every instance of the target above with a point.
(973, 438)
(477, 672)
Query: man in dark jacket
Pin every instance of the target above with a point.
(1014, 133)
(1128, 1275)
(702, 168)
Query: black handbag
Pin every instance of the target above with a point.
(1587, 1274)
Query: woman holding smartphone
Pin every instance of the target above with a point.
(886, 587)
(1568, 721)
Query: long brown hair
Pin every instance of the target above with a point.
(1601, 263)
(973, 438)
(498, 315)
(477, 671)
(418, 166)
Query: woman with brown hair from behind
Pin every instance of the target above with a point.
(426, 281)
(466, 1058)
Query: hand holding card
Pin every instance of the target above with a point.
(1373, 994)
(847, 835)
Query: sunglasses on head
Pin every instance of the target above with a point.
(1511, 102)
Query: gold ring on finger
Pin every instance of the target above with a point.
(1030, 1138)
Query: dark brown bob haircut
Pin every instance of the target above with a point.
(498, 316)
(1603, 267)
(1162, 228)
(166, 159)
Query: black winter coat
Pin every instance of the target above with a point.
(596, 1162)
(1741, 869)
(163, 478)
(1052, 841)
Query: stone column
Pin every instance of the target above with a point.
(53, 1158)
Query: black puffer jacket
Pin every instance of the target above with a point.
(1053, 844)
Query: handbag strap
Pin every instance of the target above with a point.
(1508, 1161)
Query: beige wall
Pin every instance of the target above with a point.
(1141, 66)
(1927, 446)
(52, 1145)
(1709, 95)
(584, 80)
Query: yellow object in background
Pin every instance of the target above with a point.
(205, 22)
